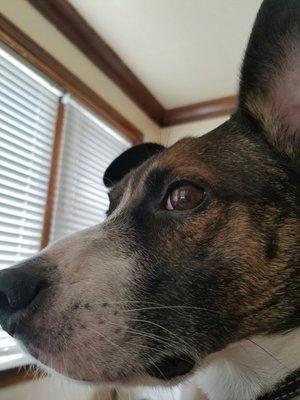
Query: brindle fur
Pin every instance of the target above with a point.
(238, 258)
(223, 266)
(165, 284)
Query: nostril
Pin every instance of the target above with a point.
(20, 293)
(18, 288)
(23, 293)
(4, 305)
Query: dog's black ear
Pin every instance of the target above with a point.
(129, 160)
(270, 76)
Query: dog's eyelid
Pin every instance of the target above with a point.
(186, 180)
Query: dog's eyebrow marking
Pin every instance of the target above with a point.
(156, 178)
(123, 202)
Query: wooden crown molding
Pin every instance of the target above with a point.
(66, 19)
(195, 112)
(22, 44)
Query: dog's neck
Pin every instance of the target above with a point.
(250, 368)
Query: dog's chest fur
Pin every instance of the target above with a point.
(248, 369)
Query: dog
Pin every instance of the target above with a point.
(194, 274)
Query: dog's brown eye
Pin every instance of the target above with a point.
(185, 197)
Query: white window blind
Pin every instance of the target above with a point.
(89, 145)
(28, 107)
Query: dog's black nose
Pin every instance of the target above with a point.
(19, 287)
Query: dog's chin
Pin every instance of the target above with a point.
(168, 371)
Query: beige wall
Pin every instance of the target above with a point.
(171, 134)
(22, 14)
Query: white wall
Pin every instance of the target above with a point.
(172, 134)
(30, 21)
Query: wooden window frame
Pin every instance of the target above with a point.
(14, 376)
(48, 212)
(30, 51)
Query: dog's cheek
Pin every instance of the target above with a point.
(224, 277)
(256, 250)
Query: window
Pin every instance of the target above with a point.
(88, 148)
(28, 113)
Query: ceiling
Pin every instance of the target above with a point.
(184, 51)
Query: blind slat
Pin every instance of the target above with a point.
(24, 115)
(10, 90)
(17, 231)
(5, 172)
(5, 239)
(28, 140)
(21, 213)
(25, 107)
(11, 73)
(12, 163)
(26, 186)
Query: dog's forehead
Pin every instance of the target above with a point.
(209, 156)
(189, 148)
(186, 157)
(189, 156)
(181, 158)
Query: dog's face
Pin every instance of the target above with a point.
(200, 247)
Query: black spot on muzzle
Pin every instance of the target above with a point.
(171, 367)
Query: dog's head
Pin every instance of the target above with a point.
(200, 247)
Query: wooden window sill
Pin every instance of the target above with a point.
(17, 375)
